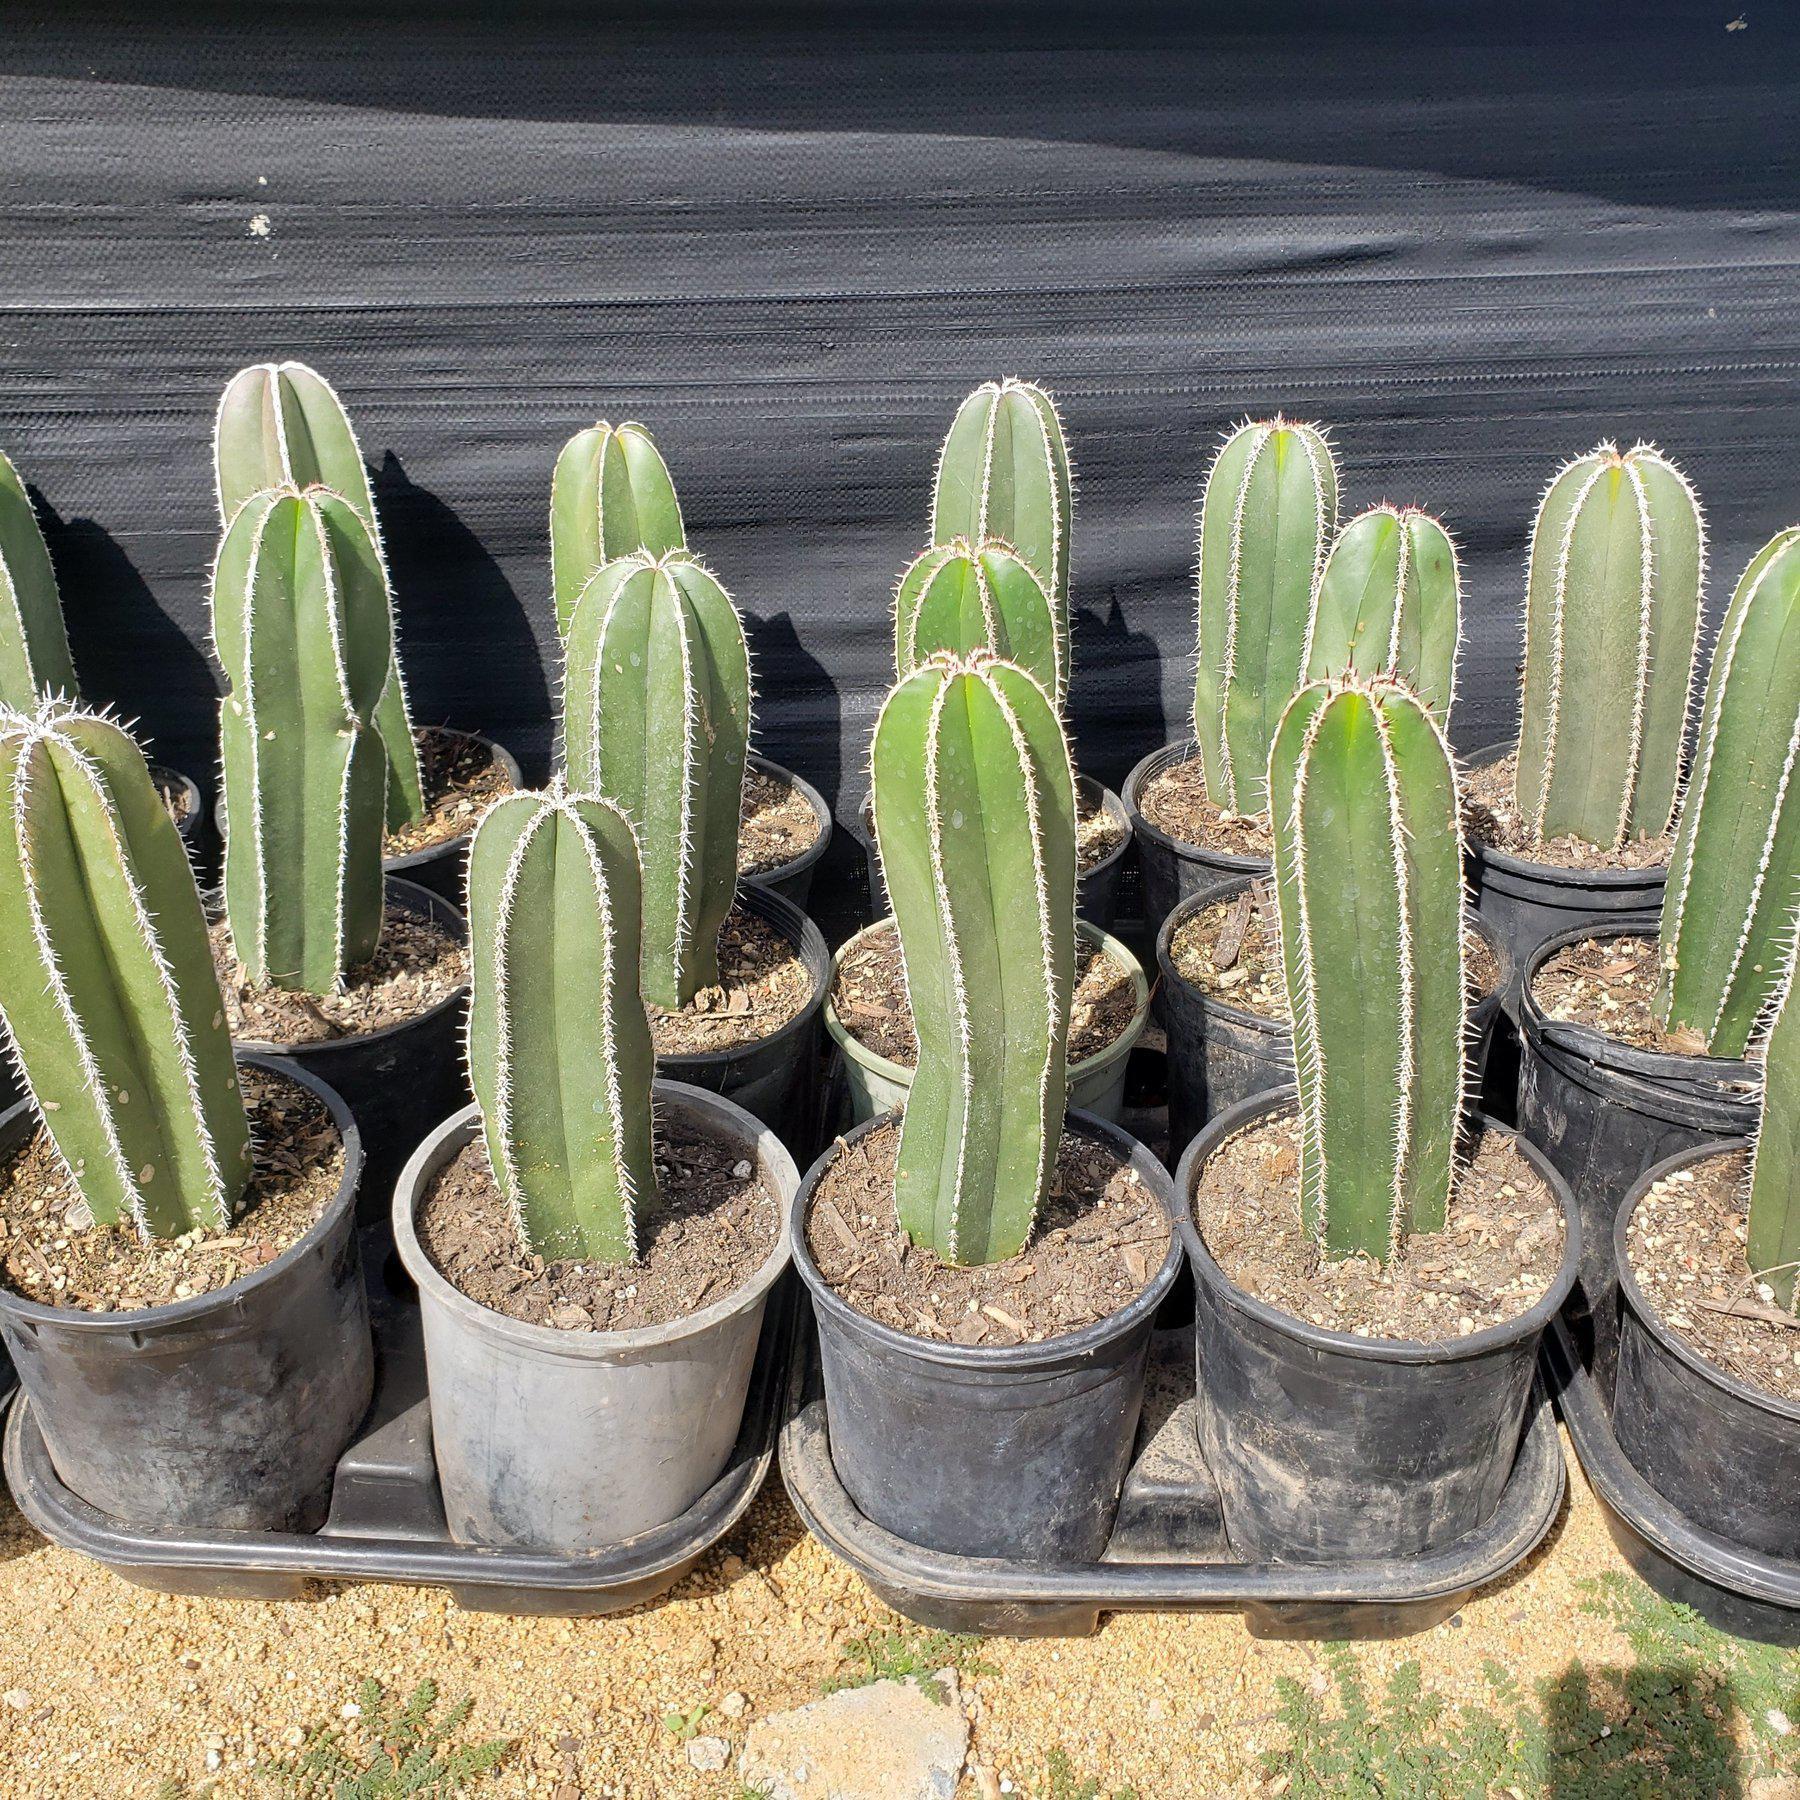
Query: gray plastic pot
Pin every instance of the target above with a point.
(793, 879)
(877, 1084)
(227, 1411)
(1329, 1447)
(1173, 869)
(578, 1440)
(982, 1451)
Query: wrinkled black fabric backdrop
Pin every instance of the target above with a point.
(1474, 239)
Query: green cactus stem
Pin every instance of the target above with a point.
(1612, 617)
(107, 981)
(611, 494)
(1774, 1237)
(34, 645)
(962, 598)
(559, 1045)
(1266, 515)
(1368, 883)
(975, 816)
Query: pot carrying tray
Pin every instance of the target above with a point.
(387, 1521)
(1168, 1551)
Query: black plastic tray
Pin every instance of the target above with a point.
(1741, 1591)
(387, 1521)
(1168, 1551)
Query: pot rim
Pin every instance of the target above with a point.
(448, 1137)
(1179, 750)
(233, 1294)
(1344, 1343)
(413, 859)
(795, 865)
(168, 776)
(1650, 1317)
(1070, 1346)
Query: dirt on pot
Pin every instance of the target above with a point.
(1175, 801)
(1100, 1237)
(1608, 984)
(461, 778)
(1687, 1244)
(712, 1227)
(1098, 832)
(777, 824)
(868, 992)
(55, 1254)
(1494, 1260)
(1491, 816)
(763, 984)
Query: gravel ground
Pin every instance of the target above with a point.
(106, 1690)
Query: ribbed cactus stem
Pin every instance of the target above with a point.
(1266, 515)
(302, 633)
(107, 981)
(964, 597)
(1003, 473)
(1735, 872)
(559, 1046)
(1389, 602)
(656, 718)
(282, 425)
(1368, 884)
(1612, 619)
(975, 816)
(611, 494)
(34, 645)
(1774, 1237)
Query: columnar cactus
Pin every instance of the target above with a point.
(975, 816)
(559, 1046)
(1612, 618)
(964, 597)
(1368, 884)
(1736, 868)
(107, 982)
(1774, 1239)
(282, 425)
(301, 628)
(1003, 473)
(1389, 602)
(656, 718)
(1266, 515)
(611, 494)
(34, 646)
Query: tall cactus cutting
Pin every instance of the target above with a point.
(1368, 884)
(1774, 1236)
(107, 982)
(559, 1046)
(300, 625)
(34, 645)
(1389, 602)
(656, 718)
(1736, 869)
(611, 494)
(964, 597)
(975, 815)
(282, 425)
(1266, 516)
(1003, 472)
(1612, 619)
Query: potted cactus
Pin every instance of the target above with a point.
(984, 1268)
(281, 424)
(1374, 1267)
(656, 718)
(180, 1287)
(612, 495)
(1635, 1038)
(593, 1280)
(1572, 824)
(325, 962)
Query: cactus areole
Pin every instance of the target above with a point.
(34, 645)
(962, 597)
(1774, 1241)
(611, 494)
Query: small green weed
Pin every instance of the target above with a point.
(684, 1727)
(908, 1656)
(1062, 1783)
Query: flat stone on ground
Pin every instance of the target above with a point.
(892, 1740)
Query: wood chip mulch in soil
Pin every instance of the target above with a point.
(1101, 1235)
(1098, 833)
(713, 1225)
(56, 1255)
(1231, 951)
(1175, 801)
(777, 824)
(173, 792)
(1494, 1260)
(461, 777)
(1492, 817)
(868, 992)
(1607, 984)
(1687, 1247)
(763, 983)
(417, 963)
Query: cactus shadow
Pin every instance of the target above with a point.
(1116, 710)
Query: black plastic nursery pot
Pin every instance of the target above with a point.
(982, 1450)
(793, 879)
(1604, 1112)
(227, 1411)
(189, 809)
(1327, 1446)
(442, 868)
(1173, 870)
